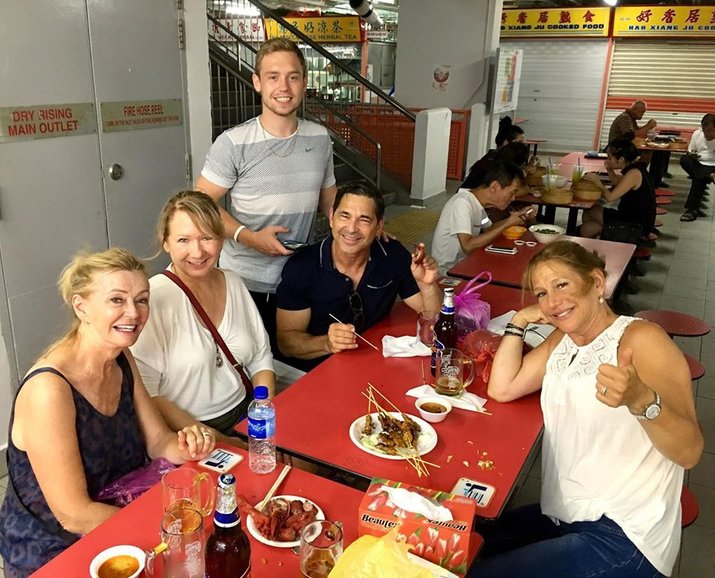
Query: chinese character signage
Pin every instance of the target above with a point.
(248, 29)
(664, 21)
(556, 22)
(321, 29)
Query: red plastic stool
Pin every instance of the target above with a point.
(697, 369)
(663, 201)
(658, 223)
(689, 506)
(660, 211)
(642, 253)
(664, 193)
(676, 323)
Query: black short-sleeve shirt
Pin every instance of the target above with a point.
(310, 281)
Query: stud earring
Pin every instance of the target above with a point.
(600, 299)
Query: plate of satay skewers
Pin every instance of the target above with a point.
(392, 435)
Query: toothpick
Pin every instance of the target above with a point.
(356, 333)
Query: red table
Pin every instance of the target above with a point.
(508, 269)
(315, 413)
(572, 160)
(139, 522)
(574, 207)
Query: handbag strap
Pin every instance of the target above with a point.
(473, 284)
(214, 332)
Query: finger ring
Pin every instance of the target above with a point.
(206, 433)
(603, 391)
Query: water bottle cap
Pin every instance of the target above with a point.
(260, 392)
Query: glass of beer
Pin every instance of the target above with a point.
(321, 544)
(455, 371)
(187, 488)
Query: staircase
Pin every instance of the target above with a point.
(372, 134)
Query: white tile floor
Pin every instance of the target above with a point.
(679, 277)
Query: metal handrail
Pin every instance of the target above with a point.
(317, 98)
(307, 40)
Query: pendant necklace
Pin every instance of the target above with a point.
(294, 136)
(219, 358)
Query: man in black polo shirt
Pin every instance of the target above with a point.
(352, 275)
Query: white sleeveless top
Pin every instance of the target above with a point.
(598, 460)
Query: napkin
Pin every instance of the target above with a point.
(535, 334)
(466, 400)
(413, 502)
(406, 346)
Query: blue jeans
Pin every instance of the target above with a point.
(526, 544)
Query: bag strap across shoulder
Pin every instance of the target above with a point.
(214, 332)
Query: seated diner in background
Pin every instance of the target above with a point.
(625, 125)
(619, 430)
(507, 137)
(183, 367)
(464, 225)
(82, 418)
(699, 164)
(352, 276)
(632, 188)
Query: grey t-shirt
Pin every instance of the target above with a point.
(272, 181)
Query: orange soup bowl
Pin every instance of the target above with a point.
(515, 232)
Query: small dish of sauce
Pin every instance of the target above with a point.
(432, 408)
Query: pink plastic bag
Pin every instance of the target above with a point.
(132, 485)
(471, 311)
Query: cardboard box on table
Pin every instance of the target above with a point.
(444, 543)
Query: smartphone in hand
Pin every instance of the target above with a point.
(293, 245)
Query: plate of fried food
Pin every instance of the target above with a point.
(281, 520)
(393, 435)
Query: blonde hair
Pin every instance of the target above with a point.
(279, 45)
(201, 209)
(581, 261)
(78, 278)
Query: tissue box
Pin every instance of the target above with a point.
(444, 543)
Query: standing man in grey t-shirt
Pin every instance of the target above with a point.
(278, 170)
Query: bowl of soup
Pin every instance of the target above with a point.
(432, 408)
(545, 233)
(118, 562)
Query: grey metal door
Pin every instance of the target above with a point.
(137, 60)
(56, 196)
(51, 202)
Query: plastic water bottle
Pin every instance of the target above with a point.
(261, 432)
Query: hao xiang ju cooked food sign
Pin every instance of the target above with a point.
(664, 21)
(556, 22)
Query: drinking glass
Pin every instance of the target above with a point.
(455, 371)
(425, 326)
(187, 488)
(182, 533)
(321, 544)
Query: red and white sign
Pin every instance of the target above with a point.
(46, 121)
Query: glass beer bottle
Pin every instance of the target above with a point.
(228, 551)
(445, 329)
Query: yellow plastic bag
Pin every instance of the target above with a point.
(369, 556)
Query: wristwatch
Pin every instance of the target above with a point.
(651, 411)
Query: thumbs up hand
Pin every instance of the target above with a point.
(620, 385)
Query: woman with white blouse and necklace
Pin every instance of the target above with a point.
(182, 366)
(619, 429)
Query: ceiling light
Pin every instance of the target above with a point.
(611, 2)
